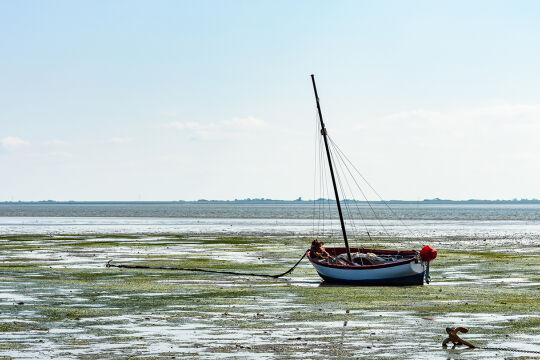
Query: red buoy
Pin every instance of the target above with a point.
(428, 253)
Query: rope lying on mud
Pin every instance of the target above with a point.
(508, 349)
(109, 264)
(502, 349)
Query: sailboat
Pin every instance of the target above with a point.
(362, 266)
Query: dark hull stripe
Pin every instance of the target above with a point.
(400, 281)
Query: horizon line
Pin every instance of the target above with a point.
(298, 200)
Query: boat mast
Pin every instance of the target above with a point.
(324, 134)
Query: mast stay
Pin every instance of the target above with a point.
(324, 134)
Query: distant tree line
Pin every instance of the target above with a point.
(299, 200)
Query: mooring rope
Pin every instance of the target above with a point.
(125, 266)
(499, 349)
(508, 349)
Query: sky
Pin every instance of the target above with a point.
(170, 100)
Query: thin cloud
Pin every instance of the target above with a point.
(500, 113)
(51, 155)
(219, 128)
(492, 127)
(120, 140)
(56, 142)
(168, 114)
(249, 122)
(191, 125)
(12, 143)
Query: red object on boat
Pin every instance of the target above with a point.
(428, 253)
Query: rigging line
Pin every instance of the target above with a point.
(362, 192)
(319, 169)
(328, 195)
(327, 213)
(315, 180)
(345, 202)
(336, 226)
(347, 214)
(365, 197)
(322, 180)
(317, 186)
(336, 173)
(342, 164)
(321, 187)
(343, 194)
(327, 202)
(321, 205)
(375, 191)
(355, 202)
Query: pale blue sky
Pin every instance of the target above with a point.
(167, 100)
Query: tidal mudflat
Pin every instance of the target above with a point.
(58, 300)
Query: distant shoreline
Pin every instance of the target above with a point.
(271, 201)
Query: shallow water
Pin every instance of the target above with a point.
(418, 211)
(58, 300)
(516, 230)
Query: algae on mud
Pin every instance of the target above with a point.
(57, 299)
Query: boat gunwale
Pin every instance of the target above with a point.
(339, 250)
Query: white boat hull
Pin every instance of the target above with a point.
(408, 272)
